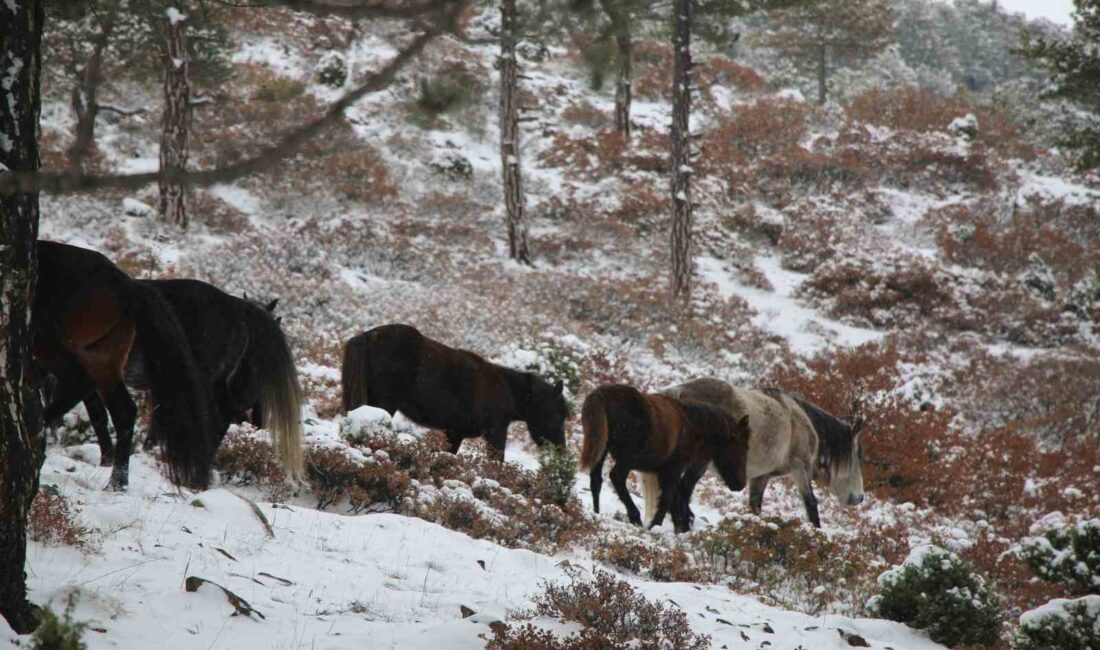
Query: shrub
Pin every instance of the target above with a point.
(656, 563)
(55, 521)
(1065, 552)
(332, 70)
(278, 89)
(244, 460)
(611, 613)
(452, 87)
(370, 483)
(1063, 624)
(60, 632)
(753, 132)
(771, 552)
(558, 466)
(935, 590)
(552, 358)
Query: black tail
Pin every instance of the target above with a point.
(280, 393)
(354, 373)
(182, 422)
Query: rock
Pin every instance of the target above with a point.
(466, 611)
(853, 639)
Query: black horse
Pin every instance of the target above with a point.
(241, 354)
(396, 368)
(89, 318)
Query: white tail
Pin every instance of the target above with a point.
(651, 491)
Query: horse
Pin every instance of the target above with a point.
(791, 436)
(661, 436)
(396, 368)
(242, 355)
(88, 317)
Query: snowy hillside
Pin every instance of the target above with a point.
(874, 254)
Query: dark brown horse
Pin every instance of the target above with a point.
(661, 436)
(88, 317)
(241, 354)
(396, 368)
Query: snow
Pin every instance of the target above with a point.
(778, 312)
(1057, 609)
(333, 581)
(175, 17)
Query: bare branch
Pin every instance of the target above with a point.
(125, 112)
(20, 182)
(86, 94)
(351, 10)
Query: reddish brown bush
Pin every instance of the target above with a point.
(766, 128)
(652, 70)
(723, 71)
(370, 485)
(244, 460)
(656, 563)
(54, 521)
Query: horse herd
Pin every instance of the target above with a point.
(209, 359)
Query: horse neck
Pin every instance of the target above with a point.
(519, 388)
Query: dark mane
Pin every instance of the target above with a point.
(834, 435)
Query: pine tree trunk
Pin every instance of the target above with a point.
(822, 72)
(509, 134)
(177, 119)
(624, 43)
(21, 440)
(85, 97)
(680, 149)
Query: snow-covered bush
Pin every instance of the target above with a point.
(332, 70)
(370, 484)
(558, 466)
(552, 358)
(611, 614)
(934, 590)
(364, 423)
(1061, 623)
(1065, 552)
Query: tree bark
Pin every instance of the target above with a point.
(509, 135)
(624, 43)
(680, 150)
(822, 73)
(177, 118)
(22, 445)
(85, 97)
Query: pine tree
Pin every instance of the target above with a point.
(509, 134)
(819, 33)
(22, 445)
(1074, 67)
(176, 129)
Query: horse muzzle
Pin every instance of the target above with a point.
(855, 499)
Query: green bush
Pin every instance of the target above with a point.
(1063, 624)
(935, 590)
(558, 466)
(60, 632)
(278, 89)
(1065, 552)
(451, 88)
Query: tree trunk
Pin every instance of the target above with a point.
(509, 135)
(624, 43)
(680, 150)
(85, 98)
(177, 118)
(22, 445)
(822, 72)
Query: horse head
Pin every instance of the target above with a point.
(846, 470)
(546, 411)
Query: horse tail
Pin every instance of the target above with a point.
(182, 422)
(594, 421)
(353, 376)
(651, 491)
(280, 392)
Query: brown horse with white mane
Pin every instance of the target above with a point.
(396, 368)
(88, 318)
(660, 435)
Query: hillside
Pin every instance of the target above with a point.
(917, 255)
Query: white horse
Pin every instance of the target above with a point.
(790, 436)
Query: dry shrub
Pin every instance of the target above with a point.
(786, 558)
(608, 152)
(55, 521)
(216, 214)
(921, 109)
(641, 206)
(584, 113)
(660, 564)
(919, 165)
(370, 484)
(611, 613)
(722, 71)
(357, 174)
(244, 460)
(652, 70)
(765, 128)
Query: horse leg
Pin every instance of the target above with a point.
(73, 384)
(497, 439)
(124, 414)
(98, 416)
(687, 486)
(806, 488)
(756, 493)
(455, 439)
(669, 480)
(618, 479)
(596, 476)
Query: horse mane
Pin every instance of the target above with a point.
(713, 421)
(835, 439)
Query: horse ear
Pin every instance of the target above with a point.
(278, 320)
(559, 386)
(270, 307)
